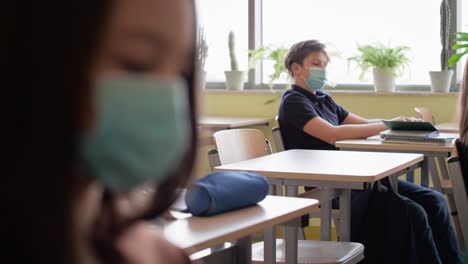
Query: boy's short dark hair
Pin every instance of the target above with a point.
(300, 50)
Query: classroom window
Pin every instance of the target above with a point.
(342, 25)
(217, 19)
(464, 28)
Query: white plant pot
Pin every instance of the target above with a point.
(383, 81)
(234, 80)
(440, 81)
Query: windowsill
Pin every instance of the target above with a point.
(335, 92)
(341, 89)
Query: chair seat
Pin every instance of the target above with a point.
(446, 185)
(312, 194)
(314, 252)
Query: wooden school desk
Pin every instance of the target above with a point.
(194, 234)
(448, 127)
(336, 172)
(213, 123)
(430, 153)
(220, 123)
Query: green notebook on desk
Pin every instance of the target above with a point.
(414, 133)
(415, 137)
(409, 126)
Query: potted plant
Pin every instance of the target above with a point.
(234, 77)
(440, 80)
(277, 56)
(461, 43)
(202, 53)
(386, 63)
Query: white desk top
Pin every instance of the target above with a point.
(448, 127)
(327, 165)
(197, 233)
(231, 122)
(375, 143)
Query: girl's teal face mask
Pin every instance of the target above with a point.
(141, 134)
(317, 78)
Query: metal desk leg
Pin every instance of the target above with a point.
(410, 176)
(394, 182)
(269, 245)
(269, 234)
(434, 174)
(345, 215)
(425, 172)
(443, 167)
(244, 250)
(325, 213)
(291, 233)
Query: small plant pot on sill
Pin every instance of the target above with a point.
(234, 80)
(440, 81)
(383, 81)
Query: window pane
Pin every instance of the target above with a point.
(218, 18)
(464, 28)
(343, 24)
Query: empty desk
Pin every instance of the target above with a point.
(197, 233)
(336, 172)
(213, 123)
(220, 123)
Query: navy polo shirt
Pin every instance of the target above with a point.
(298, 106)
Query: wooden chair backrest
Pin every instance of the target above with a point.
(236, 145)
(426, 114)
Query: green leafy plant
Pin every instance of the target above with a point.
(202, 48)
(277, 55)
(461, 43)
(232, 51)
(392, 60)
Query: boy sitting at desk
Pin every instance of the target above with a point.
(310, 119)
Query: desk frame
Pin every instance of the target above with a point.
(338, 186)
(342, 191)
(428, 164)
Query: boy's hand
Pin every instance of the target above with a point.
(407, 119)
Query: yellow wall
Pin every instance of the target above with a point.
(366, 104)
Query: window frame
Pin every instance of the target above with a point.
(255, 76)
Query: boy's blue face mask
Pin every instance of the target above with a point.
(317, 78)
(142, 131)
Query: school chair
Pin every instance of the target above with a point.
(314, 193)
(426, 114)
(442, 184)
(241, 144)
(460, 191)
(276, 187)
(446, 186)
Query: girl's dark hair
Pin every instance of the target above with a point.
(299, 51)
(49, 49)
